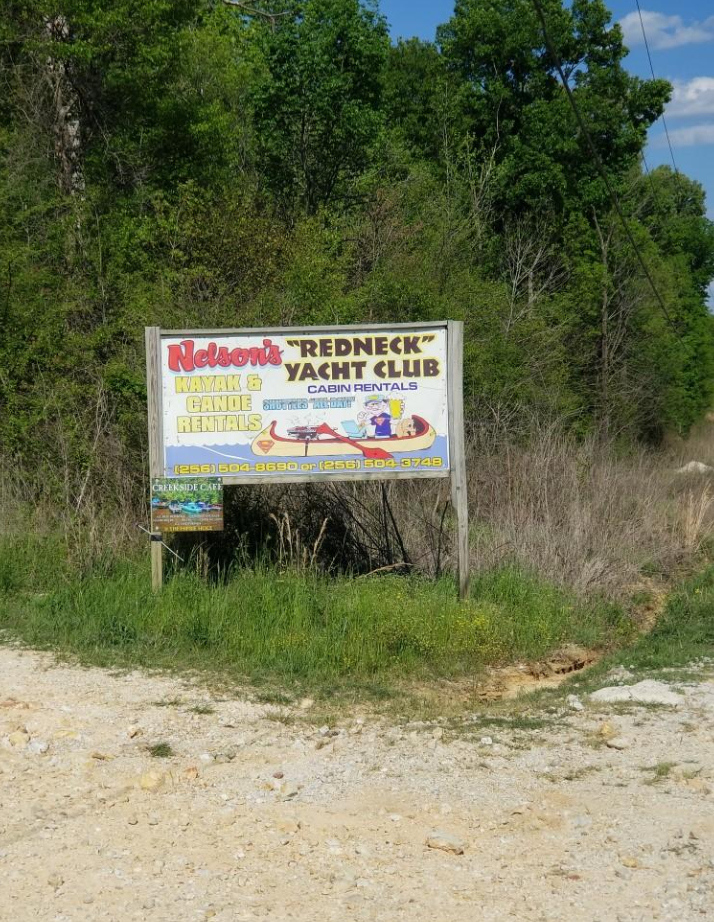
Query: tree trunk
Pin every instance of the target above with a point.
(65, 115)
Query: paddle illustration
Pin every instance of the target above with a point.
(377, 453)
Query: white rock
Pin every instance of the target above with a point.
(575, 703)
(152, 781)
(695, 467)
(38, 747)
(287, 789)
(445, 842)
(620, 674)
(618, 742)
(19, 739)
(647, 692)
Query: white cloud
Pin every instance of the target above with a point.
(665, 31)
(693, 136)
(692, 98)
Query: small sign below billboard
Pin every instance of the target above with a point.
(186, 504)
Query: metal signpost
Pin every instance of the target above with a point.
(304, 404)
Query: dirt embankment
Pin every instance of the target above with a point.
(248, 811)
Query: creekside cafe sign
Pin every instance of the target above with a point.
(307, 404)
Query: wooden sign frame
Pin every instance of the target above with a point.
(455, 413)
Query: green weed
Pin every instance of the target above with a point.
(168, 703)
(682, 636)
(273, 696)
(160, 751)
(301, 628)
(660, 771)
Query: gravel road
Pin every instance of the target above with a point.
(253, 811)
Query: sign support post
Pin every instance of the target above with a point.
(156, 448)
(457, 451)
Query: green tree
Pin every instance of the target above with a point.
(422, 100)
(674, 213)
(204, 163)
(318, 106)
(517, 106)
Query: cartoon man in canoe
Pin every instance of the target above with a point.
(411, 433)
(381, 413)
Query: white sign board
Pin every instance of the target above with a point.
(334, 403)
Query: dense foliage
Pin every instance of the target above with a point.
(195, 162)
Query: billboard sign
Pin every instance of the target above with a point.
(333, 403)
(301, 404)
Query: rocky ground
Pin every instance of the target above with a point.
(600, 811)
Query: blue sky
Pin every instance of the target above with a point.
(681, 38)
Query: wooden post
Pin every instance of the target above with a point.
(457, 450)
(156, 448)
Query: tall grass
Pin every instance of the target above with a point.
(353, 581)
(293, 625)
(584, 515)
(682, 636)
(685, 631)
(581, 514)
(587, 517)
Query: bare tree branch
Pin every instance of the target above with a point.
(253, 11)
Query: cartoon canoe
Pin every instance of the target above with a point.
(310, 445)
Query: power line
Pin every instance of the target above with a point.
(649, 58)
(597, 158)
(648, 174)
(655, 195)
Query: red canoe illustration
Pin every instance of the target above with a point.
(308, 441)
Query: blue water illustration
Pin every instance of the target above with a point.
(241, 454)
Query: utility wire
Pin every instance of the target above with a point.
(655, 195)
(649, 58)
(598, 159)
